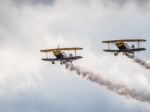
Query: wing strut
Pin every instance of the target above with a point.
(46, 55)
(138, 43)
(75, 52)
(108, 46)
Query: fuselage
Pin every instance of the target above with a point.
(58, 54)
(61, 56)
(121, 46)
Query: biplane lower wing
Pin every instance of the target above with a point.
(66, 59)
(110, 50)
(137, 49)
(127, 50)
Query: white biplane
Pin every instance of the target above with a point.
(61, 55)
(122, 46)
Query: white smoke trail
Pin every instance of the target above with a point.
(117, 88)
(140, 61)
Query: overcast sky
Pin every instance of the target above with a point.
(27, 84)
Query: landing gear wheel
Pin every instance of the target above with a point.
(53, 62)
(126, 54)
(115, 54)
(64, 62)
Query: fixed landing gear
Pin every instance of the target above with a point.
(126, 54)
(62, 62)
(53, 62)
(115, 54)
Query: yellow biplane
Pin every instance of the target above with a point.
(60, 55)
(124, 47)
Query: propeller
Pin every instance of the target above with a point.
(58, 46)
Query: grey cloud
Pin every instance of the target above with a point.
(121, 3)
(56, 95)
(142, 2)
(34, 2)
(118, 2)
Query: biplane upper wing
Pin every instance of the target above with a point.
(63, 49)
(67, 58)
(125, 40)
(110, 50)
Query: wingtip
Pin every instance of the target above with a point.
(103, 41)
(80, 48)
(81, 56)
(42, 50)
